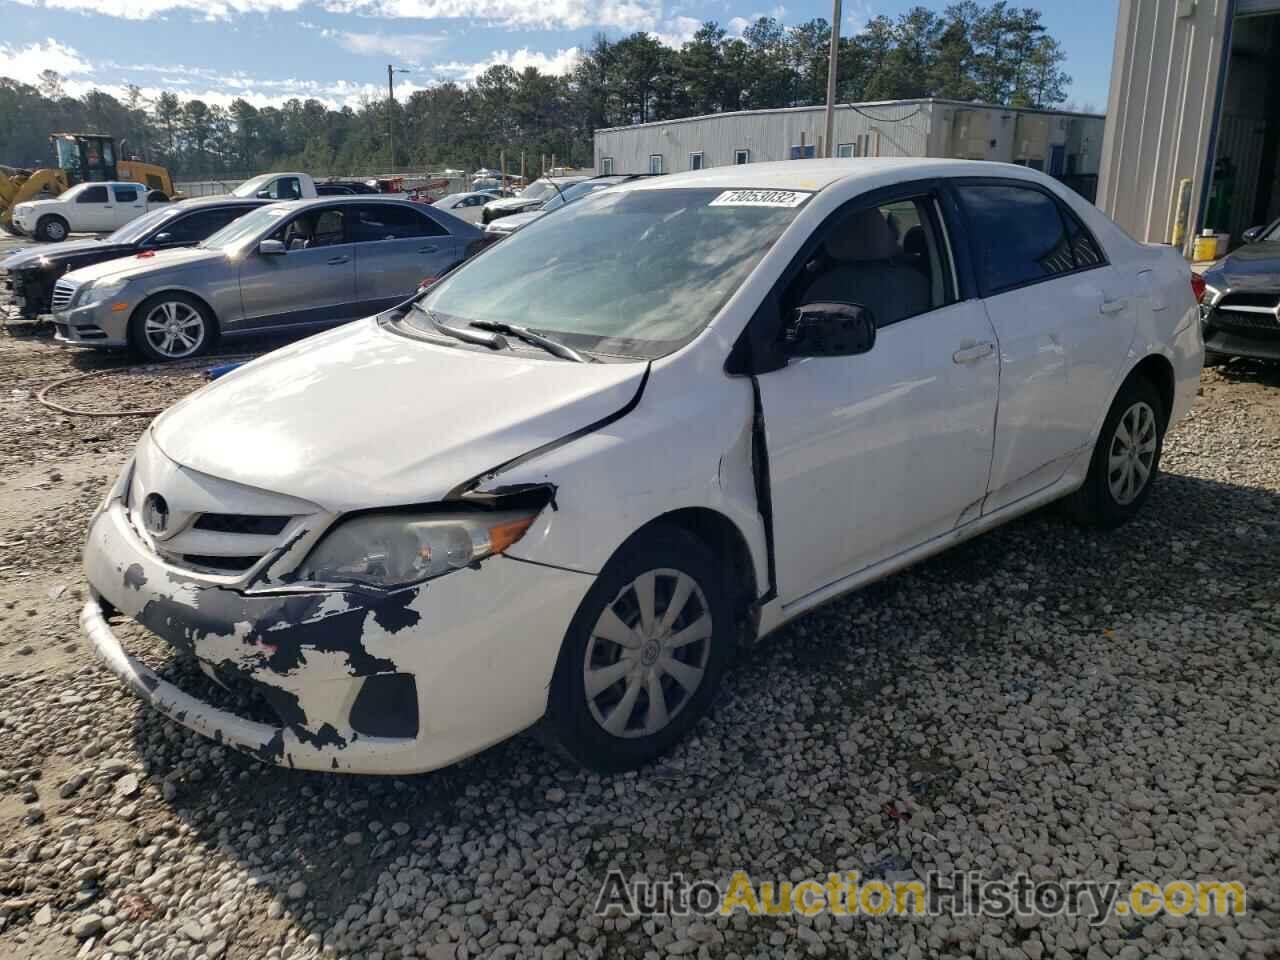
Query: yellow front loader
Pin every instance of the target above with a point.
(78, 158)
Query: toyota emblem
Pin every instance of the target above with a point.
(155, 514)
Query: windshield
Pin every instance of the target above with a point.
(250, 188)
(238, 232)
(135, 230)
(75, 191)
(538, 190)
(1272, 234)
(630, 272)
(572, 194)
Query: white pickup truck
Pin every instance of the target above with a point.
(277, 186)
(85, 208)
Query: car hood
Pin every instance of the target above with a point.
(1253, 266)
(517, 220)
(142, 264)
(513, 203)
(37, 204)
(362, 416)
(31, 256)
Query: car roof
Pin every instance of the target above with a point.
(341, 198)
(223, 200)
(818, 174)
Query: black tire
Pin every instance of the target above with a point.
(571, 721)
(1213, 359)
(52, 229)
(182, 302)
(1096, 503)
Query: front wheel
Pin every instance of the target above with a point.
(172, 326)
(52, 229)
(644, 654)
(1125, 460)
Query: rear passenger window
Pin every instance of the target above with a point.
(391, 221)
(1020, 236)
(126, 194)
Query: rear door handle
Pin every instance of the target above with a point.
(1113, 306)
(970, 352)
(431, 249)
(334, 261)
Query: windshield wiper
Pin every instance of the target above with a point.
(466, 336)
(553, 347)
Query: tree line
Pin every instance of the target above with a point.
(996, 53)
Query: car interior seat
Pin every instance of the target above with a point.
(865, 266)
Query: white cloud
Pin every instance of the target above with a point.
(409, 47)
(626, 15)
(677, 31)
(558, 63)
(25, 63)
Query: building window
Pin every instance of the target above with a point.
(655, 163)
(606, 165)
(741, 156)
(695, 161)
(865, 146)
(845, 150)
(803, 152)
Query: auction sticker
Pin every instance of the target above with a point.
(760, 198)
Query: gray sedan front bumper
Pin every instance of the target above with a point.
(93, 325)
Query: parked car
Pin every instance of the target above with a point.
(343, 188)
(310, 262)
(85, 208)
(565, 482)
(467, 205)
(29, 275)
(508, 225)
(530, 198)
(278, 186)
(1240, 305)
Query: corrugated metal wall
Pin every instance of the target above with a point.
(898, 129)
(1165, 80)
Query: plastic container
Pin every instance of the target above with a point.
(1206, 247)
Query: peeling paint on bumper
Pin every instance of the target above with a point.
(480, 644)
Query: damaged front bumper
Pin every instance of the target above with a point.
(389, 683)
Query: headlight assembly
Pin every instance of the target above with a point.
(97, 291)
(387, 550)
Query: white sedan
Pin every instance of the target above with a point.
(467, 206)
(571, 477)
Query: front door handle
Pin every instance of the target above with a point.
(1113, 306)
(334, 261)
(969, 352)
(426, 249)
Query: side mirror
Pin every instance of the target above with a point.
(263, 195)
(829, 329)
(271, 248)
(1252, 234)
(164, 237)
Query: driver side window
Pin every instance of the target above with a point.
(888, 258)
(315, 228)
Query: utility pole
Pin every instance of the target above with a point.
(391, 111)
(833, 68)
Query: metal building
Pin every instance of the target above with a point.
(1193, 119)
(1067, 145)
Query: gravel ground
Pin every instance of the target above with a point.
(1043, 699)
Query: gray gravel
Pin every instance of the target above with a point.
(1042, 699)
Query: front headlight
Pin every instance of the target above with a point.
(388, 550)
(96, 291)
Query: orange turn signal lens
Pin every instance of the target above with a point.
(119, 307)
(505, 534)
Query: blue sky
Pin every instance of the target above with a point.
(337, 50)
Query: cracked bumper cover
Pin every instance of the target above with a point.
(479, 644)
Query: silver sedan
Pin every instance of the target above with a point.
(305, 263)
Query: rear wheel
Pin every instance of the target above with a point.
(644, 654)
(52, 229)
(172, 326)
(1125, 460)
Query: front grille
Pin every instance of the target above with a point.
(1246, 319)
(223, 564)
(241, 523)
(1268, 300)
(63, 291)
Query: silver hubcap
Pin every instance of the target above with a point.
(174, 329)
(55, 231)
(647, 653)
(1133, 451)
